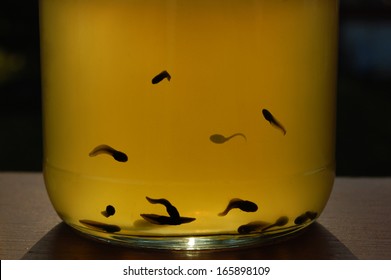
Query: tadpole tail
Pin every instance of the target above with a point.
(101, 149)
(171, 210)
(104, 213)
(268, 227)
(167, 76)
(225, 212)
(237, 134)
(252, 227)
(278, 125)
(105, 149)
(163, 201)
(282, 221)
(273, 121)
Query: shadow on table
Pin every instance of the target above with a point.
(62, 243)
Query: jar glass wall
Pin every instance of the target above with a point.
(189, 124)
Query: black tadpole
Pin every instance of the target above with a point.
(273, 121)
(305, 217)
(282, 221)
(159, 77)
(164, 220)
(106, 149)
(173, 219)
(101, 226)
(244, 205)
(171, 210)
(110, 211)
(252, 227)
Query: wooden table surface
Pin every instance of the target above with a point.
(356, 224)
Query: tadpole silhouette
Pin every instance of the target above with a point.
(110, 211)
(256, 226)
(273, 121)
(244, 205)
(102, 226)
(159, 77)
(282, 221)
(174, 217)
(220, 139)
(106, 149)
(305, 217)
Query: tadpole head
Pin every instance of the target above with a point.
(311, 215)
(217, 138)
(119, 156)
(267, 115)
(252, 207)
(301, 219)
(245, 229)
(110, 210)
(282, 221)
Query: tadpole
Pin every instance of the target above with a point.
(174, 217)
(159, 77)
(282, 221)
(220, 139)
(256, 226)
(273, 121)
(106, 149)
(305, 217)
(171, 210)
(244, 205)
(110, 211)
(164, 220)
(102, 226)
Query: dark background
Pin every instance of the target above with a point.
(364, 83)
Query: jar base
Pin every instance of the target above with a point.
(195, 242)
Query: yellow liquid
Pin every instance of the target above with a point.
(228, 60)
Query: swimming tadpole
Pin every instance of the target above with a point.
(305, 217)
(244, 205)
(161, 76)
(110, 211)
(220, 139)
(171, 210)
(164, 220)
(281, 221)
(105, 149)
(252, 227)
(100, 226)
(273, 121)
(174, 217)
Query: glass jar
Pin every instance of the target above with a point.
(189, 124)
